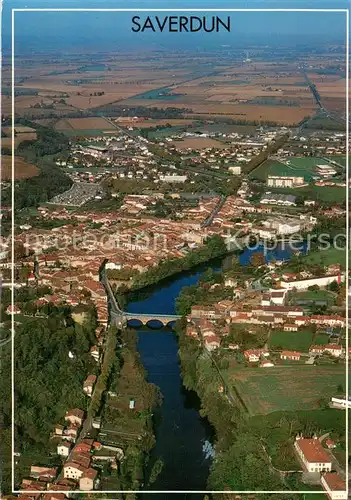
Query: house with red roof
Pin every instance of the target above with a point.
(75, 416)
(88, 479)
(13, 309)
(333, 349)
(254, 355)
(212, 342)
(88, 385)
(312, 455)
(291, 355)
(334, 485)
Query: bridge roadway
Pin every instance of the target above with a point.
(120, 318)
(143, 318)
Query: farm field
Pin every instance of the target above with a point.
(78, 124)
(292, 341)
(198, 143)
(259, 91)
(23, 169)
(283, 388)
(332, 89)
(174, 122)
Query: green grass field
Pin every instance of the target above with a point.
(340, 159)
(321, 339)
(304, 167)
(314, 296)
(286, 388)
(326, 194)
(89, 132)
(295, 341)
(326, 257)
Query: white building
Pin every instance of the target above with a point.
(304, 284)
(284, 181)
(340, 402)
(235, 169)
(63, 448)
(173, 178)
(313, 455)
(71, 470)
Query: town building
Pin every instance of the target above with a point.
(75, 416)
(291, 355)
(284, 181)
(63, 448)
(72, 470)
(88, 479)
(286, 200)
(88, 385)
(334, 486)
(312, 454)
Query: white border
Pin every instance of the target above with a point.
(346, 11)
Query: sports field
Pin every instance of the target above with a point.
(295, 341)
(340, 159)
(286, 388)
(298, 167)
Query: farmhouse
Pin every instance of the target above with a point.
(212, 342)
(12, 310)
(312, 454)
(333, 349)
(254, 355)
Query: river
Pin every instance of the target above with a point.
(180, 431)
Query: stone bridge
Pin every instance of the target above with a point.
(120, 318)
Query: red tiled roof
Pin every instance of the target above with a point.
(313, 450)
(334, 481)
(290, 353)
(90, 473)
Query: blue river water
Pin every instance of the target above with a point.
(182, 435)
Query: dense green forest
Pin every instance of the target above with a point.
(47, 383)
(48, 142)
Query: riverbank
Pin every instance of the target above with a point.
(126, 415)
(213, 248)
